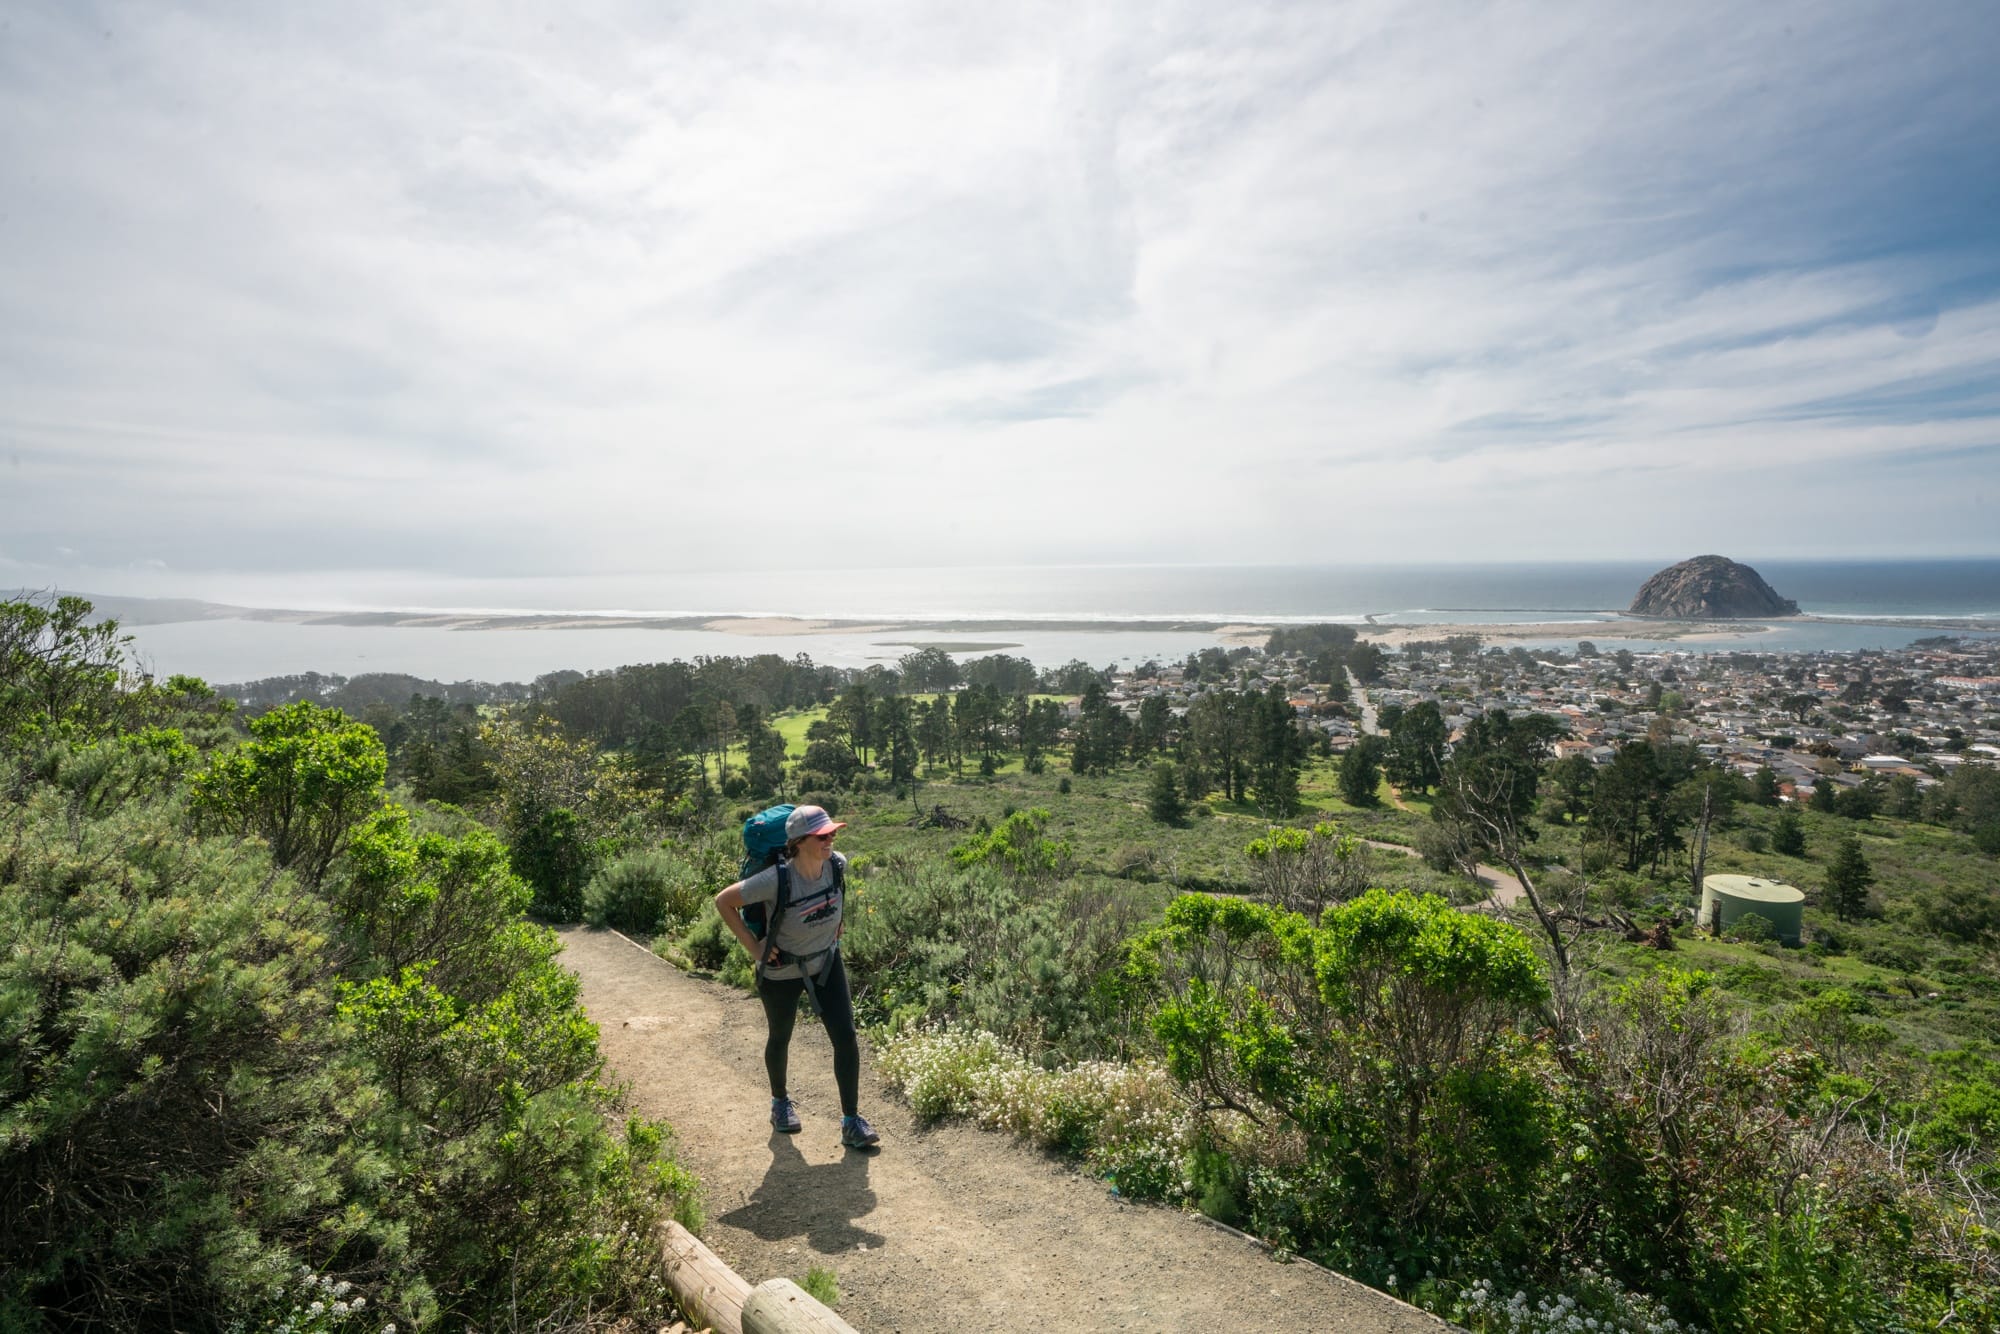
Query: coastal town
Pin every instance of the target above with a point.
(1812, 718)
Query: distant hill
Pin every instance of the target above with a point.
(1710, 588)
(130, 611)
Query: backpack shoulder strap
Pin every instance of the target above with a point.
(839, 875)
(782, 901)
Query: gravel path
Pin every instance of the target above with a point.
(945, 1229)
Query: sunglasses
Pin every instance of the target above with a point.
(821, 838)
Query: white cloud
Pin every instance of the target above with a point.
(382, 287)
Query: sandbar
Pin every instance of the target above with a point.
(788, 625)
(1395, 636)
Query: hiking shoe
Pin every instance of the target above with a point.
(784, 1116)
(856, 1133)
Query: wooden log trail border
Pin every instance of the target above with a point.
(712, 1294)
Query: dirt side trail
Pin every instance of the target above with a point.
(1503, 887)
(945, 1229)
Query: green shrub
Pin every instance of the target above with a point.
(708, 943)
(302, 781)
(1020, 845)
(217, 1083)
(59, 672)
(1804, 1269)
(557, 861)
(148, 973)
(1028, 959)
(1388, 1031)
(1903, 956)
(643, 892)
(1219, 1184)
(1751, 928)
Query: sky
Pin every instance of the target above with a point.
(454, 291)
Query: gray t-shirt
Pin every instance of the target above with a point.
(812, 920)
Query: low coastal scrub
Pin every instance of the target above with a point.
(996, 944)
(274, 1054)
(1381, 1092)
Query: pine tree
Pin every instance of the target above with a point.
(1361, 772)
(1416, 747)
(895, 739)
(1277, 753)
(1164, 801)
(766, 750)
(1847, 881)
(1788, 836)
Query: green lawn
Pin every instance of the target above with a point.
(792, 727)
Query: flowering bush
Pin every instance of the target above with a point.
(940, 1070)
(322, 1305)
(1594, 1302)
(1127, 1121)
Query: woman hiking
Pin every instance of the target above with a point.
(802, 956)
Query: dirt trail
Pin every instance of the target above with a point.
(945, 1229)
(1502, 886)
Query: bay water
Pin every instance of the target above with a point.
(966, 600)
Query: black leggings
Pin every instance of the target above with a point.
(836, 1010)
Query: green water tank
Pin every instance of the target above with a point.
(1724, 898)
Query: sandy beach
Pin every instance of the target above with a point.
(765, 626)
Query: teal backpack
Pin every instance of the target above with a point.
(764, 845)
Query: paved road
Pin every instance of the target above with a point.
(1368, 724)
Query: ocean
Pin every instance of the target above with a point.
(1581, 596)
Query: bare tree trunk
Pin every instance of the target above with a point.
(1698, 863)
(1510, 853)
(1491, 815)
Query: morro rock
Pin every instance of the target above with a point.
(1710, 588)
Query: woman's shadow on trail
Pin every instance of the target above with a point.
(817, 1201)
